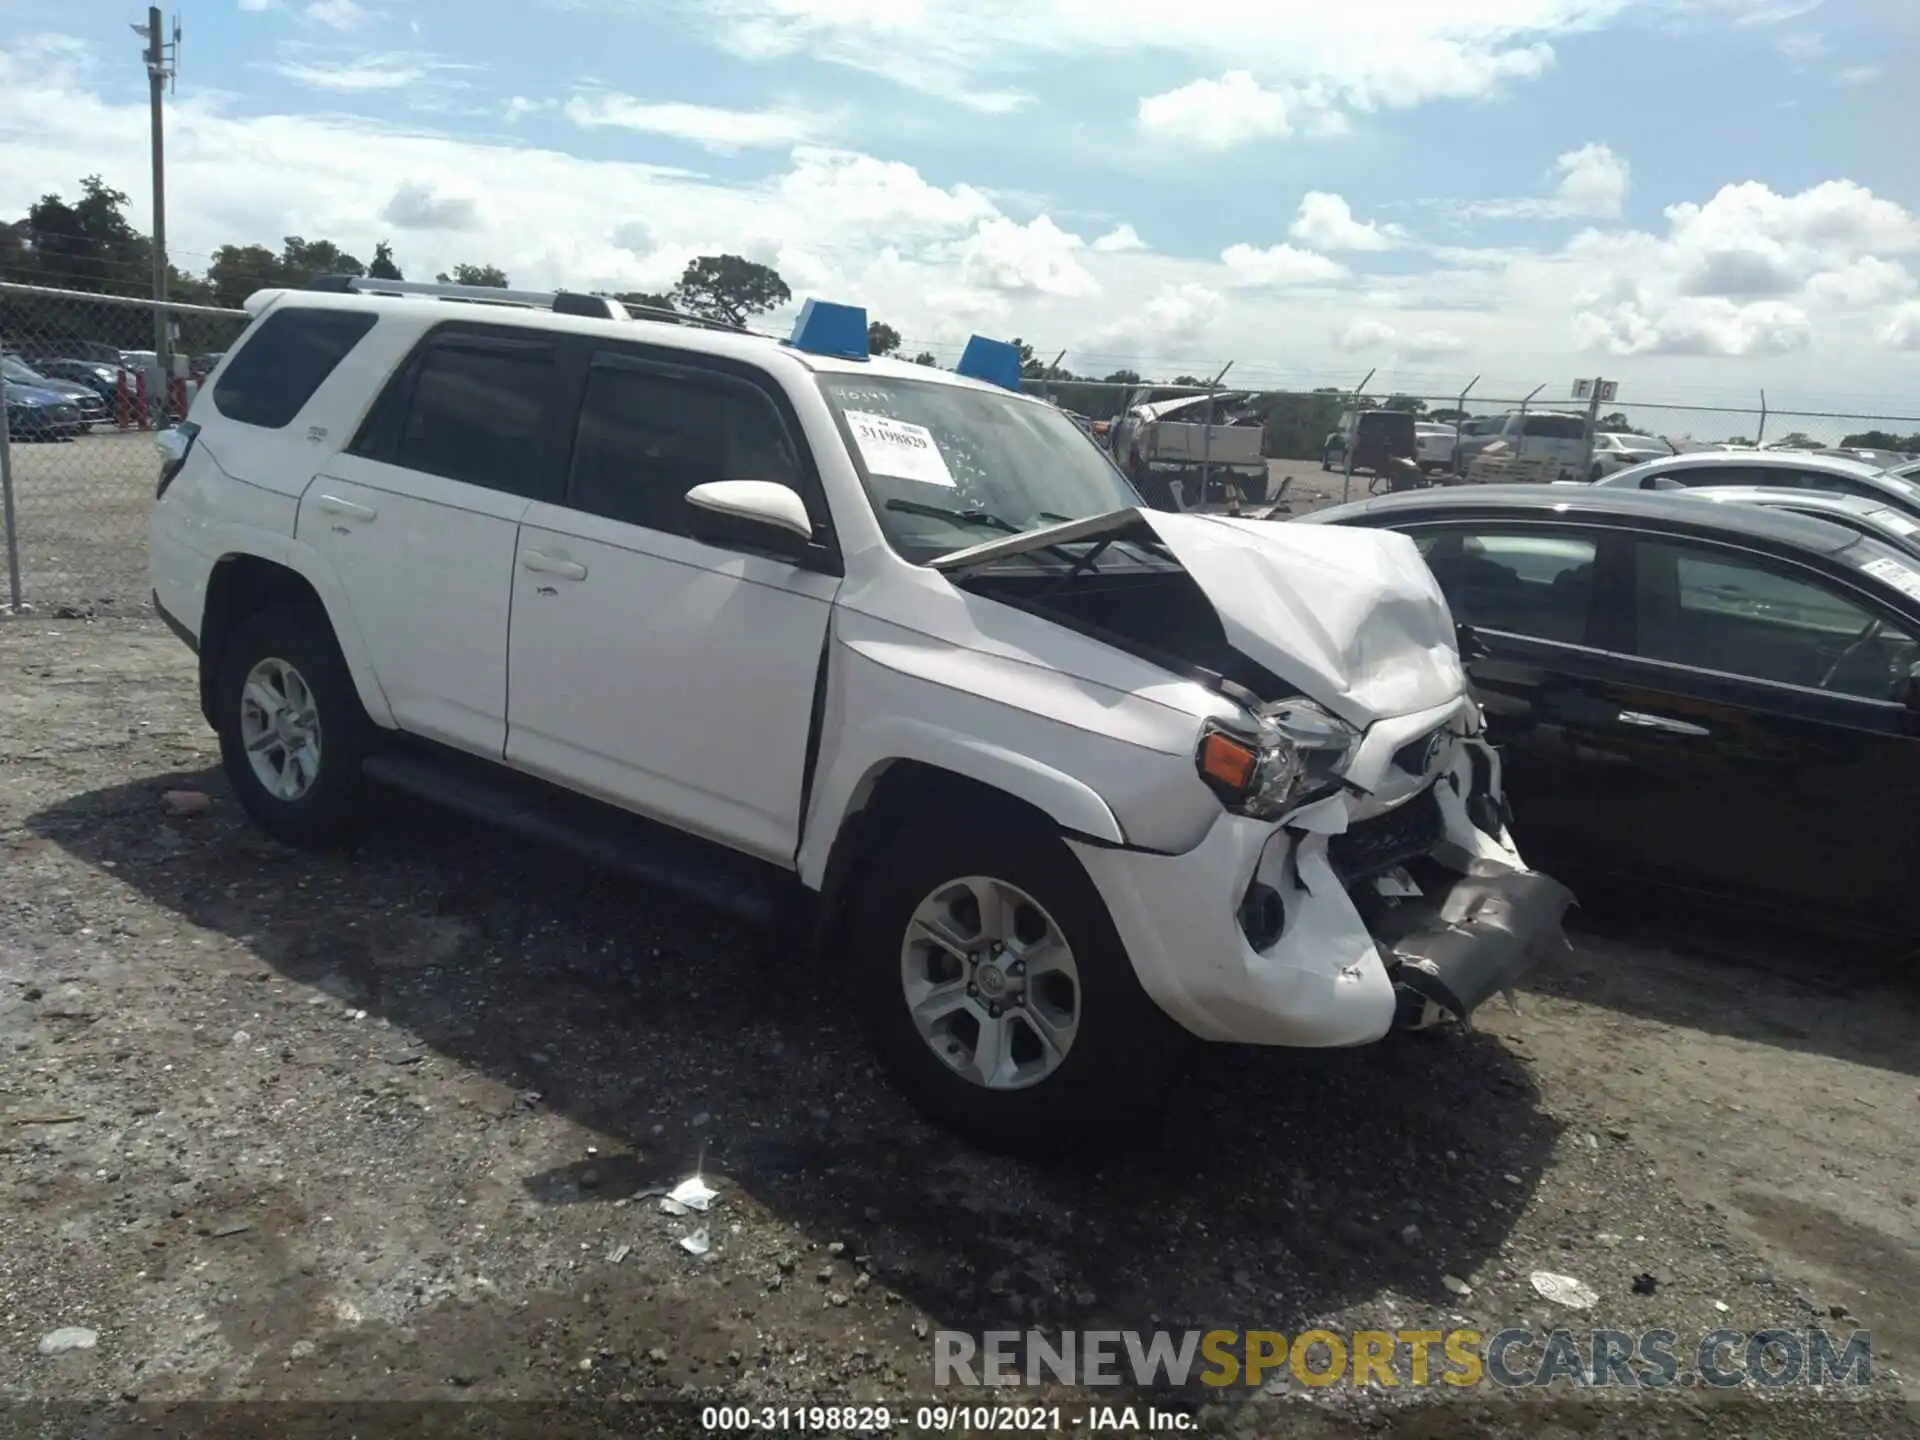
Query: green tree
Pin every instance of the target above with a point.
(1880, 440)
(491, 276)
(730, 288)
(90, 244)
(1798, 440)
(1124, 377)
(301, 261)
(383, 267)
(1407, 403)
(1192, 382)
(925, 357)
(1448, 417)
(882, 339)
(238, 271)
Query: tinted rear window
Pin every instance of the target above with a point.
(1555, 427)
(288, 358)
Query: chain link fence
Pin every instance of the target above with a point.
(84, 395)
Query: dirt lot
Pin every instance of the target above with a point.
(390, 1125)
(82, 507)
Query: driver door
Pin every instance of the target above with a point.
(1755, 708)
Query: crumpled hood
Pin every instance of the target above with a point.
(1350, 615)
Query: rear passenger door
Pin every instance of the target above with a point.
(420, 515)
(672, 674)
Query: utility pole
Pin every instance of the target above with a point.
(162, 58)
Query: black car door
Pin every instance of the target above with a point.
(1532, 593)
(1751, 698)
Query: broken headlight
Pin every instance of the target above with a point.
(1297, 753)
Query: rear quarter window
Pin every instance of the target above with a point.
(288, 357)
(1555, 427)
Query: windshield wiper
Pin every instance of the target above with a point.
(959, 517)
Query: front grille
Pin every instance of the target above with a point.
(1375, 846)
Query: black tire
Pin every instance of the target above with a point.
(1254, 491)
(1155, 488)
(1327, 458)
(1121, 1038)
(302, 637)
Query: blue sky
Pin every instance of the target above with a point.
(1698, 197)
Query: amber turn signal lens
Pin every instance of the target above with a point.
(1228, 761)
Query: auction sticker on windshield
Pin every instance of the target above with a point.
(893, 447)
(1902, 577)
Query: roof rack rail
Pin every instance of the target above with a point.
(561, 302)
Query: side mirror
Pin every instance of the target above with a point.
(751, 514)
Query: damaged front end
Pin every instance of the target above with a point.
(1362, 877)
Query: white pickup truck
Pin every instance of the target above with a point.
(1171, 452)
(804, 633)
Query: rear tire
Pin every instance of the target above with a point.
(1042, 1099)
(292, 730)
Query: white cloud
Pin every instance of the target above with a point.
(419, 205)
(1218, 113)
(1279, 265)
(1363, 335)
(722, 131)
(256, 5)
(1697, 326)
(1119, 240)
(1593, 181)
(1038, 256)
(343, 15)
(363, 75)
(1902, 332)
(1855, 75)
(1867, 283)
(1326, 222)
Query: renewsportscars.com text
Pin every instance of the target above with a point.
(1510, 1359)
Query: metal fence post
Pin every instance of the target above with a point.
(6, 506)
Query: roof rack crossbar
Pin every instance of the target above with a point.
(563, 302)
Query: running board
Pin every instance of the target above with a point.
(709, 875)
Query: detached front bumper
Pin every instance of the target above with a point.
(1295, 934)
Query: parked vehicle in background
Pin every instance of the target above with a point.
(101, 378)
(1382, 442)
(1434, 445)
(36, 413)
(1616, 451)
(1801, 469)
(1909, 471)
(1475, 436)
(204, 365)
(887, 656)
(1554, 435)
(1165, 448)
(1896, 527)
(1720, 698)
(86, 402)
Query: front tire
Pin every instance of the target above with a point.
(999, 992)
(292, 731)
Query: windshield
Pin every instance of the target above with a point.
(19, 374)
(947, 466)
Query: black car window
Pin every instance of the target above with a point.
(284, 361)
(1533, 583)
(1555, 427)
(1745, 615)
(478, 411)
(646, 438)
(1827, 481)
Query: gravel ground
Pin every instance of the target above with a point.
(390, 1125)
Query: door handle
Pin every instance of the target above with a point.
(334, 505)
(542, 563)
(1645, 721)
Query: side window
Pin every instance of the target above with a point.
(1762, 620)
(1555, 427)
(477, 411)
(646, 438)
(285, 360)
(1685, 476)
(1532, 583)
(1824, 481)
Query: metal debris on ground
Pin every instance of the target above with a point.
(1456, 1285)
(1565, 1290)
(693, 1193)
(698, 1243)
(618, 1253)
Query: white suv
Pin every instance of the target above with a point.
(800, 632)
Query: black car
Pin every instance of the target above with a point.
(1720, 698)
(83, 400)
